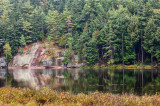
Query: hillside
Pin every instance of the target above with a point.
(97, 31)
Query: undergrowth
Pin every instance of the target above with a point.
(47, 97)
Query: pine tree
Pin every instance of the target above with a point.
(109, 48)
(149, 37)
(53, 24)
(7, 52)
(22, 41)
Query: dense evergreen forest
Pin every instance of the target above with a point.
(98, 31)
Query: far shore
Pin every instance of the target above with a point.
(37, 67)
(90, 67)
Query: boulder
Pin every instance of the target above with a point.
(3, 62)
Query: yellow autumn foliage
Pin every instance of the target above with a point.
(47, 97)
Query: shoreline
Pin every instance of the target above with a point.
(89, 67)
(41, 67)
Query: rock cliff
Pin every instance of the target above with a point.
(37, 55)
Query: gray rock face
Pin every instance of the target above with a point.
(26, 58)
(3, 62)
(47, 62)
(35, 55)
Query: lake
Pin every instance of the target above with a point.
(116, 81)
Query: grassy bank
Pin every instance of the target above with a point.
(28, 97)
(121, 67)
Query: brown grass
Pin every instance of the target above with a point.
(47, 97)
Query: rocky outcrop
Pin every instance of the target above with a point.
(36, 55)
(3, 62)
(26, 58)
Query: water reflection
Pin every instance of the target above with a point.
(2, 77)
(29, 78)
(77, 80)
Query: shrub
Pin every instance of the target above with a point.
(45, 96)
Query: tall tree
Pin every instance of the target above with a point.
(53, 24)
(7, 52)
(149, 37)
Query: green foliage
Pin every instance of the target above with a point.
(75, 23)
(91, 53)
(50, 46)
(7, 51)
(51, 52)
(22, 41)
(53, 24)
(68, 56)
(49, 39)
(62, 41)
(66, 61)
(130, 57)
(111, 61)
(21, 51)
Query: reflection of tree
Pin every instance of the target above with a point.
(108, 80)
(2, 77)
(91, 77)
(68, 80)
(66, 73)
(9, 78)
(130, 80)
(89, 80)
(153, 86)
(119, 81)
(5, 78)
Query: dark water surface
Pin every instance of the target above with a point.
(115, 81)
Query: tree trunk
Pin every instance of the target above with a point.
(151, 60)
(135, 53)
(123, 81)
(111, 54)
(122, 50)
(42, 27)
(142, 81)
(142, 47)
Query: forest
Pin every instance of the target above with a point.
(98, 31)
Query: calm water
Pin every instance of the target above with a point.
(137, 82)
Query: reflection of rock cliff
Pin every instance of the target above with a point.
(2, 73)
(53, 79)
(37, 55)
(30, 78)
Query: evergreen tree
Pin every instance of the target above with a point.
(22, 41)
(53, 24)
(149, 38)
(7, 52)
(126, 30)
(91, 53)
